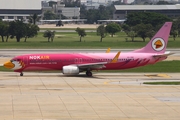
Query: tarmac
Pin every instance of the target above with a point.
(105, 96)
(93, 26)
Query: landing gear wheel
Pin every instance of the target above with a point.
(89, 73)
(21, 74)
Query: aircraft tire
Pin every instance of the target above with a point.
(89, 73)
(21, 74)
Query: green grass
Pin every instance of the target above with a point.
(162, 83)
(4, 69)
(161, 67)
(71, 40)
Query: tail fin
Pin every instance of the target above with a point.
(159, 42)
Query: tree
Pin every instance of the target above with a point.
(112, 28)
(126, 28)
(7, 34)
(174, 33)
(150, 34)
(83, 12)
(72, 3)
(102, 13)
(132, 35)
(49, 35)
(48, 15)
(142, 29)
(30, 31)
(176, 25)
(4, 27)
(163, 3)
(34, 18)
(81, 32)
(129, 31)
(17, 28)
(101, 31)
(92, 16)
(152, 18)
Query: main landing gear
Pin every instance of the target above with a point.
(89, 73)
(21, 74)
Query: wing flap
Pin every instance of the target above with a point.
(92, 65)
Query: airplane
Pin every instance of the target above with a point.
(9, 20)
(75, 63)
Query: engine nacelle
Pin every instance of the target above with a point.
(70, 70)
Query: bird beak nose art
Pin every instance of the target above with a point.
(9, 65)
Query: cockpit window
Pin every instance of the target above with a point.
(15, 60)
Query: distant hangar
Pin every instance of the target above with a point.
(121, 11)
(18, 9)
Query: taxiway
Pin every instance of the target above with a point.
(107, 96)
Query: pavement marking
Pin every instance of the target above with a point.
(157, 75)
(52, 96)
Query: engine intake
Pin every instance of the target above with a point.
(70, 70)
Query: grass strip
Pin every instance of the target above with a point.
(162, 83)
(160, 67)
(90, 41)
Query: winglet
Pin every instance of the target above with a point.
(115, 59)
(108, 50)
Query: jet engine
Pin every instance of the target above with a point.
(70, 70)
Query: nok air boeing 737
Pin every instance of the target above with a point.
(74, 63)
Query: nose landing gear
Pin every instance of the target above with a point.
(21, 74)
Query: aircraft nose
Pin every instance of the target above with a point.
(8, 65)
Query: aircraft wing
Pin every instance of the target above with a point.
(98, 65)
(163, 55)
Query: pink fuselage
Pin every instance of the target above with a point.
(38, 62)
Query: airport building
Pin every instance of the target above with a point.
(18, 9)
(121, 11)
(22, 9)
(58, 8)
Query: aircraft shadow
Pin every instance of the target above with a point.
(80, 76)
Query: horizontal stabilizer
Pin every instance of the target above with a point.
(163, 55)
